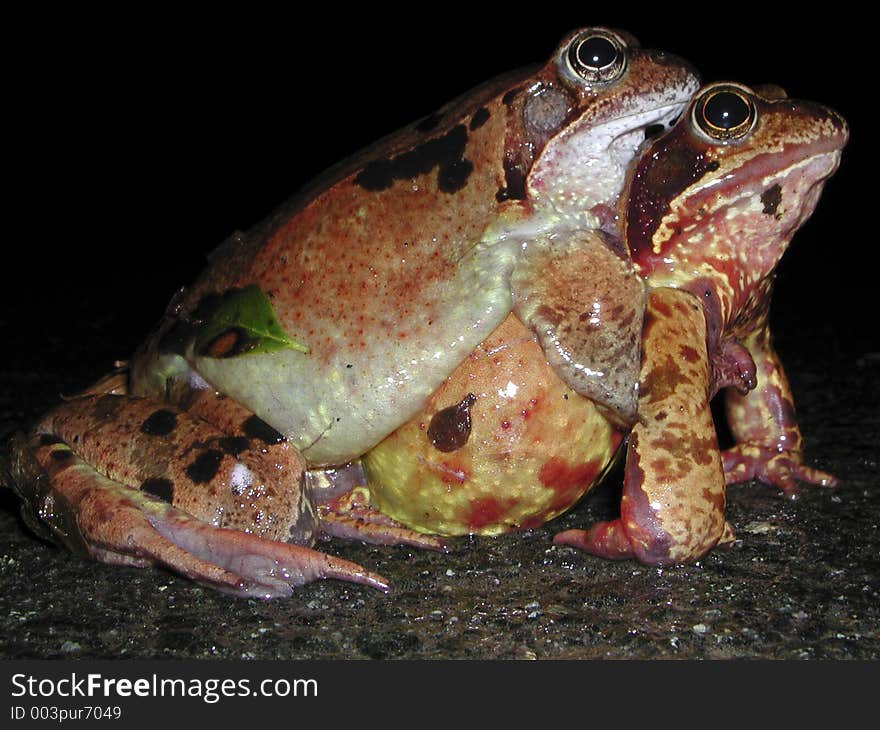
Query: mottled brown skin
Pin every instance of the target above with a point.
(707, 219)
(389, 270)
(672, 508)
(95, 515)
(181, 459)
(763, 423)
(585, 303)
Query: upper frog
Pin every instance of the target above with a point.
(394, 266)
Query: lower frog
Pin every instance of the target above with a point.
(710, 210)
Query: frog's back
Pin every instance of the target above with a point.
(379, 262)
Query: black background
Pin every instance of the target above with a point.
(143, 139)
(138, 140)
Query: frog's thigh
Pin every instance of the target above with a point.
(672, 508)
(156, 495)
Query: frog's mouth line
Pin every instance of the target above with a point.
(764, 171)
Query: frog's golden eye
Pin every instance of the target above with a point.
(725, 112)
(597, 56)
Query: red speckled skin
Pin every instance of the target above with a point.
(389, 269)
(707, 221)
(396, 265)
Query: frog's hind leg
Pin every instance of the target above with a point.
(340, 493)
(672, 508)
(104, 516)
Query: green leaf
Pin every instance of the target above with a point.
(242, 322)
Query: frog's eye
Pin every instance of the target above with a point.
(725, 112)
(597, 56)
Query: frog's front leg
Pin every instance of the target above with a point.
(763, 423)
(672, 509)
(175, 491)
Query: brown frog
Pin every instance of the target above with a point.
(230, 440)
(708, 211)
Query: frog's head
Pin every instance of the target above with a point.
(586, 114)
(719, 196)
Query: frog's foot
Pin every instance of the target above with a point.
(605, 539)
(781, 469)
(611, 540)
(351, 517)
(118, 524)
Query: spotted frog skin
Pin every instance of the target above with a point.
(231, 440)
(512, 234)
(710, 209)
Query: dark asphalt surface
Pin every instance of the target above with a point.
(801, 582)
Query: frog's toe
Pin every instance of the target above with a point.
(240, 563)
(118, 524)
(605, 539)
(781, 469)
(350, 517)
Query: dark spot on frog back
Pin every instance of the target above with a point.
(234, 445)
(205, 466)
(511, 95)
(450, 428)
(160, 487)
(454, 176)
(480, 117)
(445, 152)
(256, 428)
(159, 423)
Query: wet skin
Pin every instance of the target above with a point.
(225, 449)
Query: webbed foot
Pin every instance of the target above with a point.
(351, 517)
(782, 469)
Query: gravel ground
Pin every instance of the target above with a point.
(801, 582)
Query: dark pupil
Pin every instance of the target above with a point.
(596, 52)
(726, 110)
